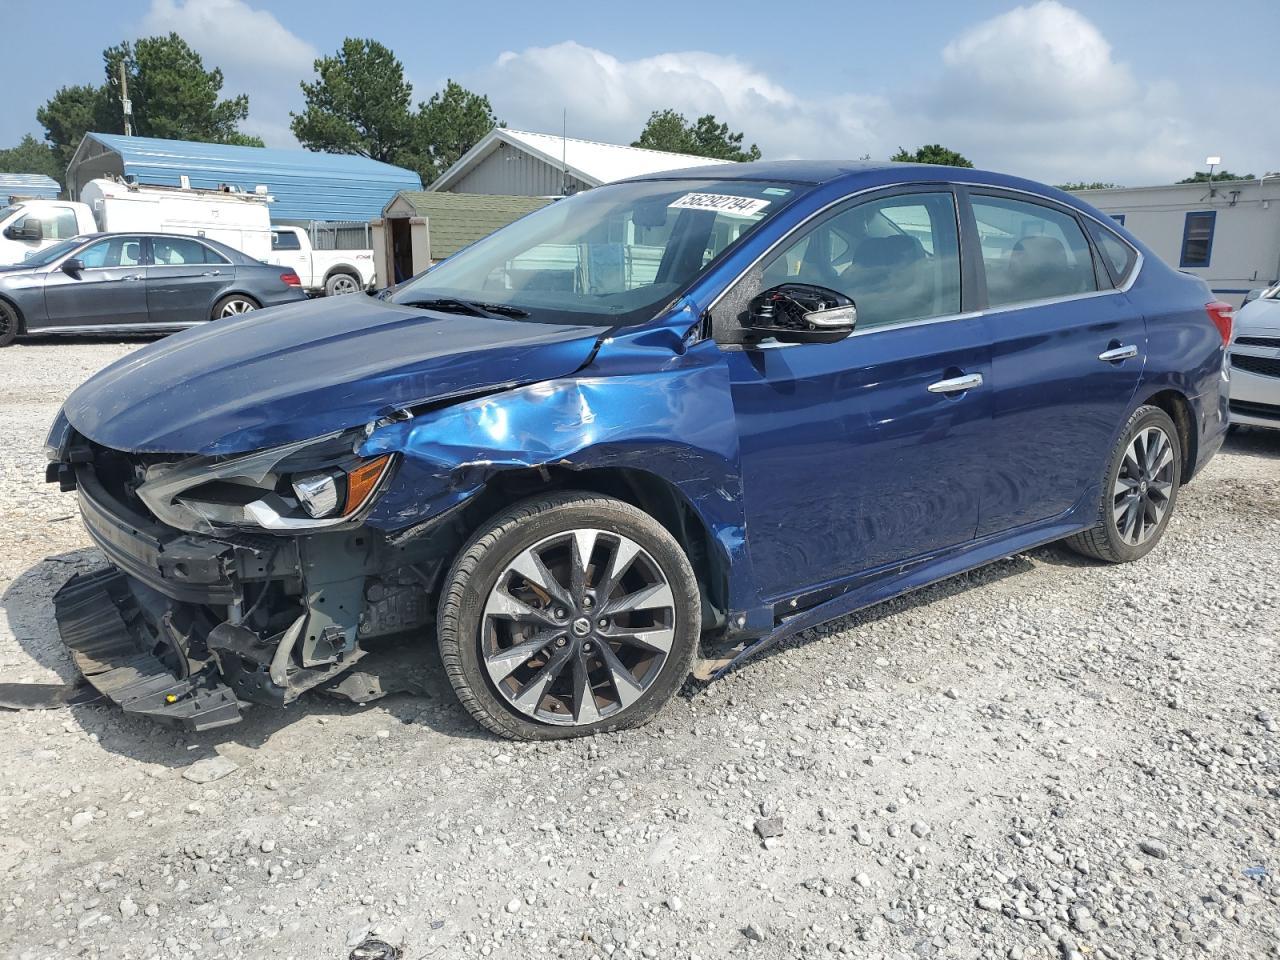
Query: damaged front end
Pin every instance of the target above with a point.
(232, 580)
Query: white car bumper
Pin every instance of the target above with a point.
(1255, 385)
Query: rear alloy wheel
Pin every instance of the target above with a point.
(569, 615)
(340, 284)
(1139, 490)
(233, 306)
(9, 324)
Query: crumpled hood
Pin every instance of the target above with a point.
(302, 370)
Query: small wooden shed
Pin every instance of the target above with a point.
(418, 228)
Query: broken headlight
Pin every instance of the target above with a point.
(301, 486)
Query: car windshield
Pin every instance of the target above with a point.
(43, 258)
(616, 252)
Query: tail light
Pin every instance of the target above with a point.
(291, 279)
(1222, 315)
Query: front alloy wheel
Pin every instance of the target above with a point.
(568, 615)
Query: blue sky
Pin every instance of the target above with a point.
(1058, 89)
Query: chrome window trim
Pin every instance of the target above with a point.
(1002, 308)
(118, 327)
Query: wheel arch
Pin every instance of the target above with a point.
(1178, 407)
(17, 312)
(655, 495)
(233, 292)
(346, 268)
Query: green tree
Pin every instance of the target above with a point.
(448, 125)
(932, 153)
(358, 103)
(1093, 185)
(31, 156)
(706, 137)
(174, 97)
(1202, 176)
(71, 113)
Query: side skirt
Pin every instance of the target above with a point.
(950, 564)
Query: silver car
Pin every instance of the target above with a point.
(1255, 362)
(135, 283)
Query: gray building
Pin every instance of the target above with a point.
(523, 164)
(1227, 233)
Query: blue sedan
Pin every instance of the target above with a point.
(648, 430)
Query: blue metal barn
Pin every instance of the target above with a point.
(27, 185)
(306, 185)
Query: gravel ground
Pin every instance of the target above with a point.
(1045, 758)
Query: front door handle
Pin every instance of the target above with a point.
(212, 273)
(1118, 353)
(957, 384)
(133, 276)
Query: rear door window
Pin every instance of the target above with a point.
(285, 240)
(1031, 251)
(179, 251)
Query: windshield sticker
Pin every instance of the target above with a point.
(776, 191)
(720, 203)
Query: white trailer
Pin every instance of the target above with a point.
(240, 220)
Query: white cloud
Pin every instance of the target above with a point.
(234, 36)
(1036, 91)
(610, 99)
(257, 54)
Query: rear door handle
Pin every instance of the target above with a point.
(957, 384)
(1118, 353)
(212, 273)
(133, 276)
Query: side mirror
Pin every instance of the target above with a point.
(72, 266)
(802, 313)
(29, 230)
(1253, 295)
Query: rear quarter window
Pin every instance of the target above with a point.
(1118, 257)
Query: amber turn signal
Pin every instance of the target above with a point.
(362, 480)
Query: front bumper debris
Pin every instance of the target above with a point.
(190, 628)
(102, 626)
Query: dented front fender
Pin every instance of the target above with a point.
(646, 402)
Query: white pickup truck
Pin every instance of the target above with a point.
(331, 272)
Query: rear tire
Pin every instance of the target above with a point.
(340, 284)
(10, 325)
(1139, 490)
(233, 305)
(535, 651)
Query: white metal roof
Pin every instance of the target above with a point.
(591, 161)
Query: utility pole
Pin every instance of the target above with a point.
(125, 106)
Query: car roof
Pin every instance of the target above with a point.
(854, 172)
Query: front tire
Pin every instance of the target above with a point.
(9, 324)
(568, 615)
(1139, 490)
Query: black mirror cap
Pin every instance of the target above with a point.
(30, 232)
(72, 266)
(801, 313)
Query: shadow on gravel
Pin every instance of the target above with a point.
(27, 602)
(1254, 442)
(981, 578)
(37, 340)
